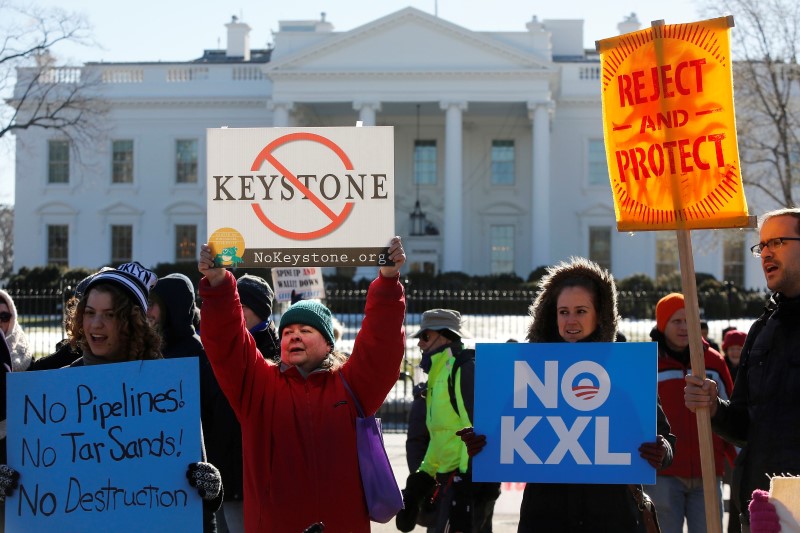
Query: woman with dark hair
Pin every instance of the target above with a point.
(577, 302)
(109, 325)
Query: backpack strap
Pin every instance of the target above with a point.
(353, 396)
(462, 357)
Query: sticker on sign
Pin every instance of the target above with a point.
(289, 197)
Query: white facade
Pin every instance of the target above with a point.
(537, 88)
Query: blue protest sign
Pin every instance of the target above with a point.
(105, 447)
(566, 412)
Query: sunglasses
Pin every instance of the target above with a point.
(5, 317)
(426, 336)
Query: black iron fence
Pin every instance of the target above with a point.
(489, 315)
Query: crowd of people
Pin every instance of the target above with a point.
(279, 427)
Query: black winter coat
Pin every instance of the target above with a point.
(577, 508)
(761, 416)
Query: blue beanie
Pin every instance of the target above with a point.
(312, 314)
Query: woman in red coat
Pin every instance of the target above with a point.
(298, 421)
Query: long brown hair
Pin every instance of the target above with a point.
(140, 340)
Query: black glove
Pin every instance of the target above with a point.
(460, 517)
(654, 452)
(473, 441)
(9, 479)
(206, 478)
(419, 486)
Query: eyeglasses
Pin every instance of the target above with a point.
(772, 244)
(5, 317)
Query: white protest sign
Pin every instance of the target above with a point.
(306, 282)
(289, 197)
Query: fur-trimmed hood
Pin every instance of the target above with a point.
(544, 324)
(21, 352)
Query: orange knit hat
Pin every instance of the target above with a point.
(666, 307)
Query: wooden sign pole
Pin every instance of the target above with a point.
(707, 466)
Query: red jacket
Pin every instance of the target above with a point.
(683, 422)
(298, 435)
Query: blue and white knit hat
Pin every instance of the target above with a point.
(134, 279)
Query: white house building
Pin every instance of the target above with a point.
(498, 137)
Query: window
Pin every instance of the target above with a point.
(121, 244)
(666, 254)
(58, 244)
(185, 242)
(600, 245)
(502, 243)
(122, 162)
(58, 162)
(425, 162)
(733, 257)
(186, 169)
(503, 162)
(597, 166)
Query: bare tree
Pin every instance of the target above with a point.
(38, 92)
(765, 45)
(6, 240)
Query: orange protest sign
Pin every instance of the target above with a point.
(669, 127)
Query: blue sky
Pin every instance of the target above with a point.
(179, 30)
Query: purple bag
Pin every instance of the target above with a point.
(384, 499)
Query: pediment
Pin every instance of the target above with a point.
(597, 210)
(502, 209)
(185, 208)
(56, 208)
(408, 40)
(120, 208)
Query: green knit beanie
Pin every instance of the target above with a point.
(312, 314)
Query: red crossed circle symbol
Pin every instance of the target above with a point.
(336, 219)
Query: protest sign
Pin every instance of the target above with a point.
(670, 136)
(669, 127)
(105, 447)
(565, 413)
(291, 197)
(306, 282)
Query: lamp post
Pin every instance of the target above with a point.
(418, 220)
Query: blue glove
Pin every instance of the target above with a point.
(206, 478)
(9, 479)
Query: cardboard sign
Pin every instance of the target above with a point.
(290, 197)
(306, 282)
(565, 413)
(669, 127)
(105, 448)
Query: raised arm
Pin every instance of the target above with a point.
(396, 254)
(206, 266)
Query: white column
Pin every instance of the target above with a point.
(280, 113)
(367, 111)
(539, 113)
(453, 187)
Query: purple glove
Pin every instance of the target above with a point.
(474, 442)
(763, 517)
